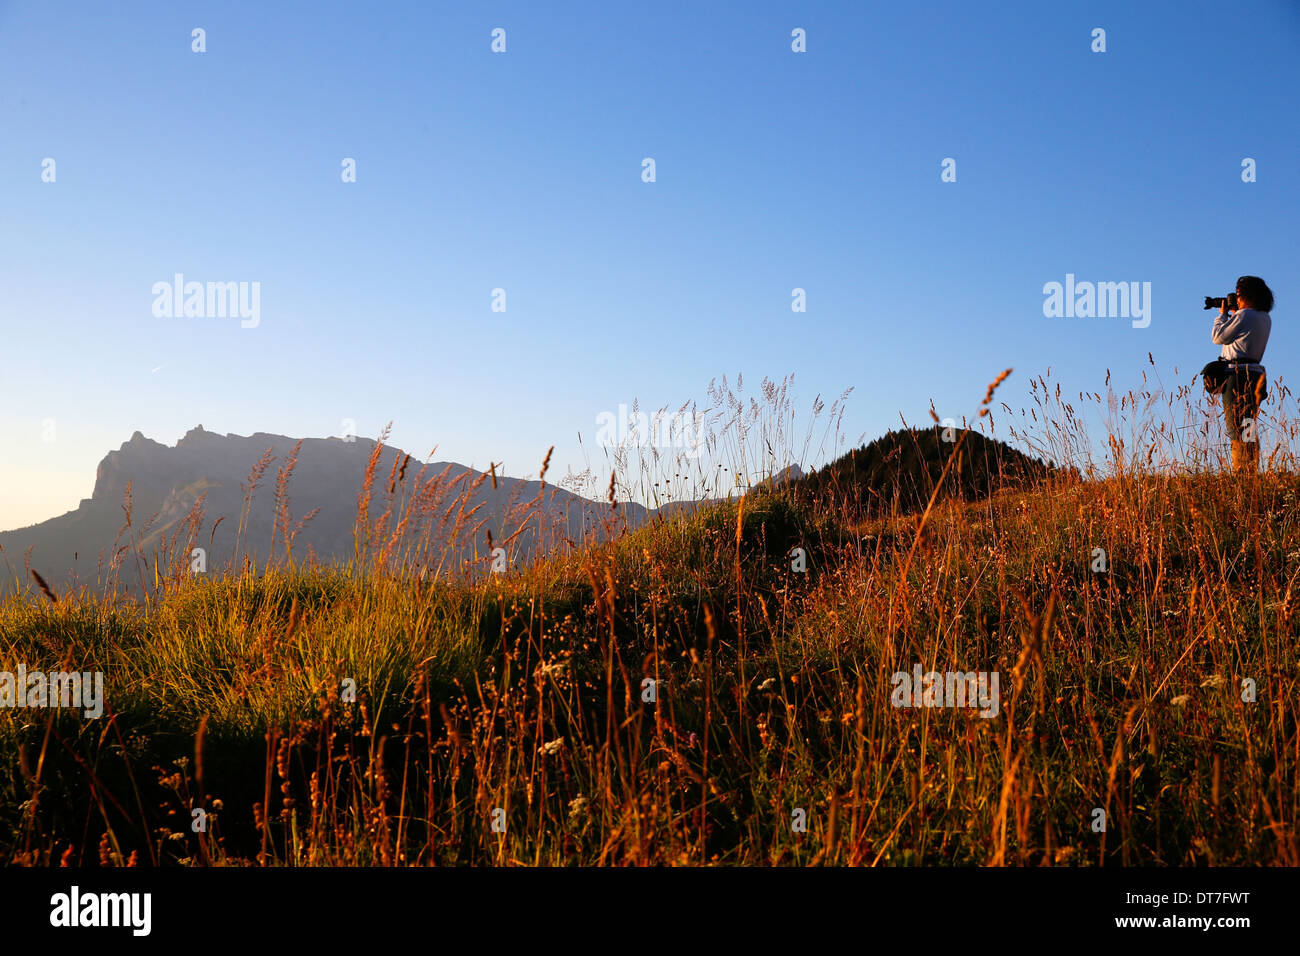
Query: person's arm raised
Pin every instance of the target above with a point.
(1227, 328)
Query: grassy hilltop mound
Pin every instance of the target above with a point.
(897, 472)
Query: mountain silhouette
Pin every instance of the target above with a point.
(194, 495)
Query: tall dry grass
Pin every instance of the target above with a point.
(504, 719)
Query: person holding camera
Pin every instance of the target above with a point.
(1242, 328)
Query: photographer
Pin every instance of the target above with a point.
(1242, 328)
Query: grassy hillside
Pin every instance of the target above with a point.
(509, 720)
(899, 472)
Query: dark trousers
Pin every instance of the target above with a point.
(1242, 393)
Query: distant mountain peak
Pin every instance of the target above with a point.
(789, 474)
(196, 434)
(139, 443)
(167, 482)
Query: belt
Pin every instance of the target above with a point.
(1242, 362)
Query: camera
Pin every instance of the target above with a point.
(1213, 303)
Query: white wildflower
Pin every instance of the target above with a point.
(578, 807)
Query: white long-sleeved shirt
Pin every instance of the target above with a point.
(1243, 334)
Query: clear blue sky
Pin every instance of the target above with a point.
(522, 170)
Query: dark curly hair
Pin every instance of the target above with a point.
(1257, 292)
